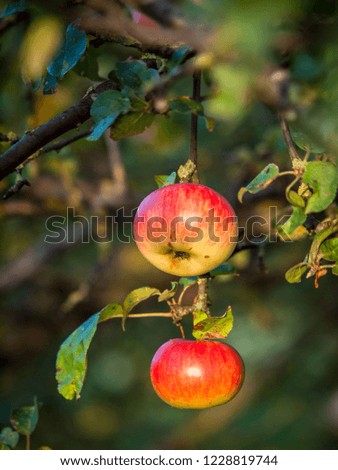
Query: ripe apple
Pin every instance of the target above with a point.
(196, 374)
(185, 229)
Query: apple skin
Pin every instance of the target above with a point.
(196, 374)
(185, 229)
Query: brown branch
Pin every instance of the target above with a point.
(288, 139)
(66, 141)
(54, 147)
(101, 17)
(162, 11)
(202, 295)
(33, 140)
(161, 50)
(20, 183)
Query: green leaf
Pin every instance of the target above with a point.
(138, 103)
(322, 179)
(136, 75)
(206, 327)
(296, 219)
(168, 293)
(110, 311)
(25, 419)
(70, 53)
(335, 270)
(8, 438)
(295, 199)
(186, 281)
(13, 7)
(294, 274)
(131, 124)
(165, 180)
(223, 269)
(185, 104)
(134, 298)
(105, 110)
(304, 142)
(262, 180)
(329, 249)
(71, 362)
(318, 240)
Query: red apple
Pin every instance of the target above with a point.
(185, 229)
(196, 374)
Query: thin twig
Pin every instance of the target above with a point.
(196, 95)
(288, 139)
(141, 315)
(33, 140)
(19, 184)
(185, 288)
(60, 144)
(110, 20)
(66, 141)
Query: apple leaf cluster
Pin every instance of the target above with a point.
(311, 192)
(128, 110)
(71, 363)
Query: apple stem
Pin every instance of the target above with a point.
(181, 330)
(196, 95)
(202, 295)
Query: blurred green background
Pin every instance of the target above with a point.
(285, 333)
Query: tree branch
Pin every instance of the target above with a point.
(110, 20)
(33, 140)
(19, 184)
(288, 139)
(162, 11)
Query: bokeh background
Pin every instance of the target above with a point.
(285, 333)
